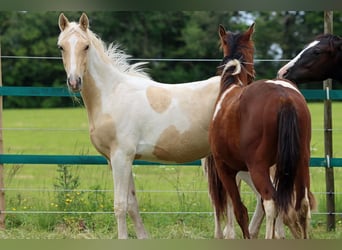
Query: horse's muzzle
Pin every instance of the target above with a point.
(74, 83)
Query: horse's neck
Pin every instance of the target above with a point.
(100, 79)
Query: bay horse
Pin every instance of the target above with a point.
(319, 60)
(254, 126)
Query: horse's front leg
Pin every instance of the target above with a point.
(229, 230)
(122, 172)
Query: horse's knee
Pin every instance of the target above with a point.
(120, 209)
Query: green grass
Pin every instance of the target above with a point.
(180, 184)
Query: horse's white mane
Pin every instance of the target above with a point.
(116, 55)
(119, 58)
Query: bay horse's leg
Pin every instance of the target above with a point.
(303, 206)
(279, 231)
(133, 211)
(271, 214)
(262, 182)
(240, 211)
(217, 231)
(229, 230)
(218, 234)
(258, 215)
(122, 171)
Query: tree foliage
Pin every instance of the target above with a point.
(150, 34)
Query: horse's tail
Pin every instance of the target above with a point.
(217, 192)
(287, 156)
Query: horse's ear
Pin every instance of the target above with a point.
(222, 31)
(250, 31)
(84, 22)
(63, 22)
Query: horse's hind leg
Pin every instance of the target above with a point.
(240, 210)
(259, 214)
(263, 184)
(229, 230)
(218, 234)
(133, 211)
(305, 214)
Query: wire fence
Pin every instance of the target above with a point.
(27, 189)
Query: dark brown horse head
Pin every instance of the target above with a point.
(237, 47)
(319, 60)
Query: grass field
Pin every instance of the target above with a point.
(163, 191)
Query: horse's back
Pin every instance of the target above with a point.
(176, 120)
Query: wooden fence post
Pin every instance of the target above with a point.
(2, 184)
(328, 145)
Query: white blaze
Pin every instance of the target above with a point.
(285, 68)
(72, 41)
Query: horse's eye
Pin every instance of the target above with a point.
(60, 48)
(86, 47)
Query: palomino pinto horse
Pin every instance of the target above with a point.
(131, 116)
(319, 60)
(256, 125)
